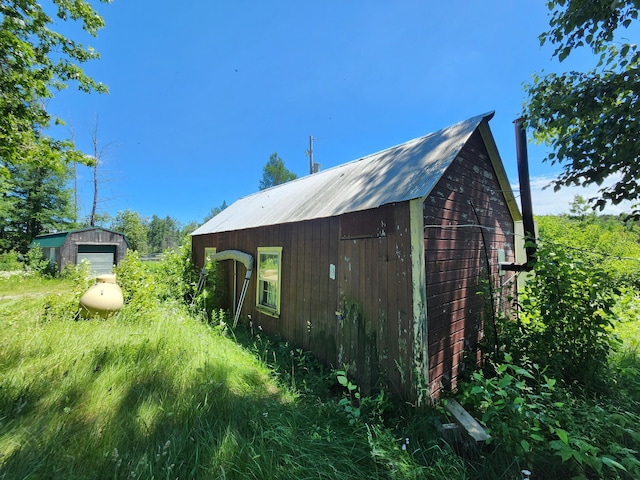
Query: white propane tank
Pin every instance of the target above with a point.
(103, 298)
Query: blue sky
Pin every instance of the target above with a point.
(201, 93)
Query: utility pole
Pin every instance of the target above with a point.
(309, 153)
(313, 167)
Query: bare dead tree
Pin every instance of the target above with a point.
(72, 134)
(100, 153)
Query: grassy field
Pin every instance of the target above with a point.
(163, 395)
(171, 397)
(18, 284)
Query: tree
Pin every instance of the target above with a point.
(590, 119)
(99, 154)
(163, 233)
(579, 208)
(35, 63)
(36, 201)
(134, 227)
(99, 220)
(274, 173)
(185, 231)
(215, 211)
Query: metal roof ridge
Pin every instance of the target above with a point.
(473, 120)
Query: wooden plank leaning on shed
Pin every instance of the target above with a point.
(470, 426)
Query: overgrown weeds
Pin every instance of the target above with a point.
(155, 392)
(165, 389)
(552, 431)
(559, 390)
(566, 318)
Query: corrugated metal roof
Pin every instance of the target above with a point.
(398, 174)
(52, 240)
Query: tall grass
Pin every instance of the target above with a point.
(167, 396)
(24, 284)
(158, 392)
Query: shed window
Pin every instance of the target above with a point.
(269, 269)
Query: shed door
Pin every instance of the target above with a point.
(101, 257)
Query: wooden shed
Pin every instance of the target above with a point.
(102, 248)
(385, 263)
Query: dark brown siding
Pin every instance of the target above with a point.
(69, 249)
(309, 298)
(376, 325)
(466, 222)
(363, 317)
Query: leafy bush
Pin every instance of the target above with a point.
(550, 431)
(178, 273)
(66, 305)
(516, 405)
(208, 290)
(582, 289)
(79, 274)
(174, 278)
(10, 261)
(37, 263)
(566, 317)
(607, 241)
(140, 287)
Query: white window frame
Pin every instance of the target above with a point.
(265, 281)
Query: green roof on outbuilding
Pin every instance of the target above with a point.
(55, 240)
(51, 240)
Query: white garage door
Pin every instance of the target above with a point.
(100, 257)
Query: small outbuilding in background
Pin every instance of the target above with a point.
(102, 248)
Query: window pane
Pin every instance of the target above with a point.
(269, 278)
(269, 291)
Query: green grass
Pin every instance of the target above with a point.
(170, 397)
(155, 393)
(32, 285)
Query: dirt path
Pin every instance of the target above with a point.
(22, 295)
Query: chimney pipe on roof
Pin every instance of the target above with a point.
(525, 199)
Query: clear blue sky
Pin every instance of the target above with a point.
(202, 92)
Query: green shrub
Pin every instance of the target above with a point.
(66, 305)
(36, 262)
(549, 430)
(173, 279)
(10, 261)
(566, 317)
(141, 289)
(208, 290)
(80, 274)
(178, 273)
(515, 404)
(607, 241)
(583, 290)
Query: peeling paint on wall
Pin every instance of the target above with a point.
(419, 282)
